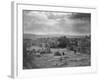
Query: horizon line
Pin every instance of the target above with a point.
(58, 34)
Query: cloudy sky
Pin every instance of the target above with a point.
(48, 23)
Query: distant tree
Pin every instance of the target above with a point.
(54, 44)
(63, 42)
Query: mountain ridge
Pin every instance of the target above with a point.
(34, 36)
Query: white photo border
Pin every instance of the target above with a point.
(17, 53)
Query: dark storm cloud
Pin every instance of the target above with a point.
(82, 16)
(83, 22)
(37, 22)
(82, 28)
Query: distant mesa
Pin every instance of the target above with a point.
(34, 36)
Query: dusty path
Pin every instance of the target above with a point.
(68, 60)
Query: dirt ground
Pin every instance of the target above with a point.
(49, 60)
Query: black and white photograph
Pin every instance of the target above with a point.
(54, 39)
